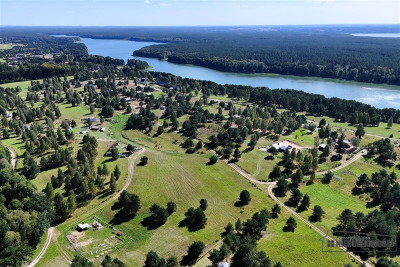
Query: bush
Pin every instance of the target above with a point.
(213, 159)
(144, 160)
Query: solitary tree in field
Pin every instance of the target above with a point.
(213, 159)
(144, 160)
(317, 214)
(245, 197)
(160, 130)
(327, 178)
(171, 207)
(290, 225)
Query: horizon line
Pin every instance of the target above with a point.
(212, 25)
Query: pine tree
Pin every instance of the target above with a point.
(117, 172)
(113, 184)
(49, 191)
(290, 225)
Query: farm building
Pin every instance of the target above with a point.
(97, 225)
(321, 147)
(83, 227)
(279, 146)
(347, 143)
(142, 81)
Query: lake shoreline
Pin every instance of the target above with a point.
(377, 95)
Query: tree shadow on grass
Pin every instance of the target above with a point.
(150, 223)
(287, 229)
(105, 194)
(122, 216)
(313, 219)
(247, 150)
(187, 261)
(189, 226)
(239, 204)
(116, 206)
(300, 209)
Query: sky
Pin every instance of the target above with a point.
(197, 12)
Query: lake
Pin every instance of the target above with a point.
(378, 95)
(381, 35)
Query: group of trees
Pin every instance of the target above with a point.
(195, 219)
(159, 215)
(25, 215)
(383, 151)
(241, 241)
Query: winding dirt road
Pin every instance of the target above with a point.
(50, 232)
(271, 185)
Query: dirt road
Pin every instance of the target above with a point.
(50, 233)
(273, 197)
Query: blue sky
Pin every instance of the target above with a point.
(197, 12)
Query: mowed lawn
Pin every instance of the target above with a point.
(332, 201)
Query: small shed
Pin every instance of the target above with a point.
(321, 147)
(83, 227)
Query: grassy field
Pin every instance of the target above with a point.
(6, 46)
(52, 257)
(301, 137)
(380, 130)
(299, 248)
(332, 201)
(184, 180)
(255, 163)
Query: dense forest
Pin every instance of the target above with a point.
(339, 56)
